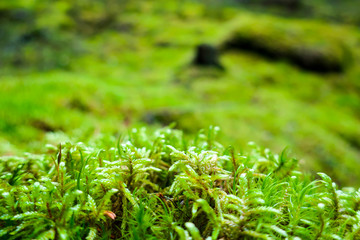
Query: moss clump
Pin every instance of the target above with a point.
(161, 186)
(311, 46)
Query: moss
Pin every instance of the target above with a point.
(118, 190)
(309, 45)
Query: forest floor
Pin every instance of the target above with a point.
(140, 74)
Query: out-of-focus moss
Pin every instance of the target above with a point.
(309, 45)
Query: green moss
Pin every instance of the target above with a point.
(309, 44)
(161, 186)
(144, 69)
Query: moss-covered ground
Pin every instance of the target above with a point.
(139, 73)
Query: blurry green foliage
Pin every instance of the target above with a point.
(340, 11)
(47, 34)
(309, 44)
(107, 73)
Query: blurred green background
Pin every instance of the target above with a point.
(89, 70)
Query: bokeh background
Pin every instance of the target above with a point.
(281, 73)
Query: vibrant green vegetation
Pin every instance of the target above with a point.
(136, 72)
(165, 186)
(340, 11)
(82, 74)
(309, 44)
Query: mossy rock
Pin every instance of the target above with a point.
(307, 44)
